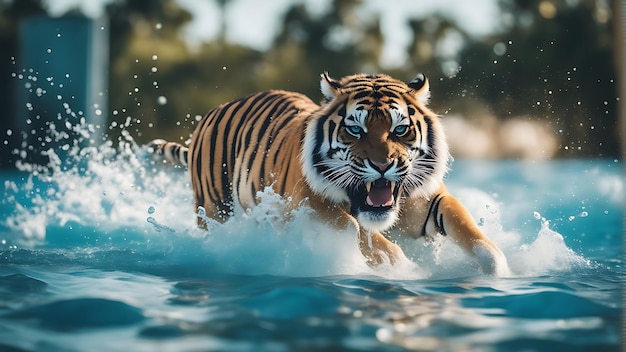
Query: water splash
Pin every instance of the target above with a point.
(582, 214)
(548, 252)
(95, 196)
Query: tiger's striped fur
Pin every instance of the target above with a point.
(372, 157)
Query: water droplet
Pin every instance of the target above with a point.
(499, 49)
(536, 215)
(161, 100)
(154, 57)
(151, 210)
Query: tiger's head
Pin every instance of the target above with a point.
(372, 144)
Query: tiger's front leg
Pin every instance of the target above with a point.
(452, 218)
(377, 249)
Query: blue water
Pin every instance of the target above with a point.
(101, 253)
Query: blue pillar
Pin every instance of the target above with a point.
(62, 78)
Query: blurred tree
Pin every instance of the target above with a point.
(555, 63)
(552, 60)
(144, 37)
(549, 60)
(158, 84)
(339, 41)
(436, 51)
(223, 5)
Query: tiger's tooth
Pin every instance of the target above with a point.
(369, 201)
(368, 187)
(393, 185)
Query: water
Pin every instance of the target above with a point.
(99, 251)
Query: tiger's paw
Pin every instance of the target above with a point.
(492, 261)
(378, 250)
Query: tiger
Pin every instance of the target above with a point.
(370, 159)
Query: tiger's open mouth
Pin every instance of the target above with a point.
(380, 193)
(375, 203)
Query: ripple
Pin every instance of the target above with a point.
(292, 302)
(81, 313)
(20, 283)
(543, 305)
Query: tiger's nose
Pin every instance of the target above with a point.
(380, 166)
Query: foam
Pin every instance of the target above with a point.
(117, 193)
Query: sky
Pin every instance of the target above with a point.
(254, 23)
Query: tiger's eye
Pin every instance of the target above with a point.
(401, 130)
(355, 131)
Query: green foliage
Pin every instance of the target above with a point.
(308, 45)
(551, 61)
(557, 69)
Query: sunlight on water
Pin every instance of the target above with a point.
(119, 197)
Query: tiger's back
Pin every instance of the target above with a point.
(244, 145)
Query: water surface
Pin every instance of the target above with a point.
(99, 251)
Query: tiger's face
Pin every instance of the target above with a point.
(373, 143)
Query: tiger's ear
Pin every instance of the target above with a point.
(420, 88)
(329, 86)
